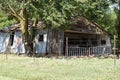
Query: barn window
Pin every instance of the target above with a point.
(103, 42)
(40, 38)
(11, 38)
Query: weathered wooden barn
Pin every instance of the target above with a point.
(82, 38)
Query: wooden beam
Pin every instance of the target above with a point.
(73, 31)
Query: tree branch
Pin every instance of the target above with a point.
(14, 13)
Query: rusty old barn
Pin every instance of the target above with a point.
(81, 39)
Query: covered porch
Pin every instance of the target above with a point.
(86, 44)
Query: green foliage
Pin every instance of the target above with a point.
(53, 13)
(116, 7)
(6, 20)
(109, 21)
(100, 12)
(58, 13)
(94, 9)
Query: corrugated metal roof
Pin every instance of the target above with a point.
(83, 25)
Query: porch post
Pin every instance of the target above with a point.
(66, 46)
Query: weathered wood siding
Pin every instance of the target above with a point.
(17, 47)
(40, 46)
(55, 41)
(4, 37)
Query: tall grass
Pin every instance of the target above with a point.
(23, 68)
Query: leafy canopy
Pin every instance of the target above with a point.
(58, 13)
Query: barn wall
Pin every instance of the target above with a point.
(106, 38)
(55, 41)
(108, 42)
(4, 37)
(40, 46)
(18, 46)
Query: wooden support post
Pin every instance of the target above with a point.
(114, 49)
(66, 46)
(89, 52)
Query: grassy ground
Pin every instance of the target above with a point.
(23, 68)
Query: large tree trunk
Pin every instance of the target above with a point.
(25, 33)
(28, 36)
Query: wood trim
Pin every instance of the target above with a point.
(72, 31)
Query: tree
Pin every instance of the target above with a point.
(18, 9)
(96, 10)
(56, 13)
(99, 11)
(116, 6)
(53, 13)
(118, 22)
